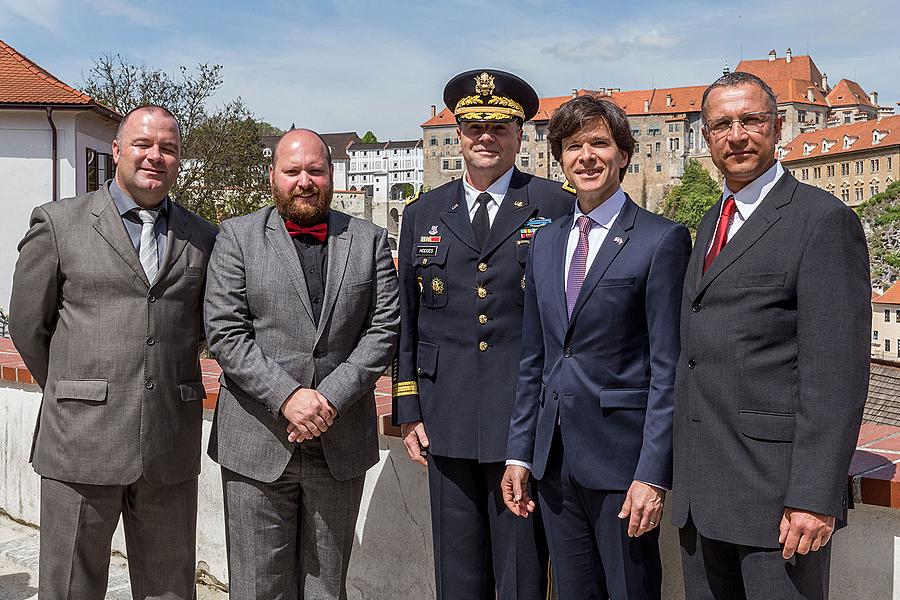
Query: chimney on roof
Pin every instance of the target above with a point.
(433, 110)
(668, 99)
(874, 96)
(787, 55)
(574, 93)
(772, 56)
(646, 106)
(725, 69)
(825, 82)
(810, 94)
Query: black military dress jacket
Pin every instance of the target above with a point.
(461, 314)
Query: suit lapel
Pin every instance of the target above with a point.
(177, 238)
(281, 243)
(616, 239)
(514, 212)
(765, 215)
(339, 241)
(705, 232)
(456, 217)
(110, 227)
(558, 267)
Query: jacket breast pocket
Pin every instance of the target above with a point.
(617, 282)
(767, 426)
(761, 280)
(431, 274)
(426, 359)
(194, 271)
(88, 391)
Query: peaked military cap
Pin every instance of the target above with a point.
(490, 95)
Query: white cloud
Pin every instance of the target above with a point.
(136, 14)
(45, 14)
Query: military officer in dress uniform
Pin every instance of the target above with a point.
(461, 261)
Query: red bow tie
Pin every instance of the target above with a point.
(318, 231)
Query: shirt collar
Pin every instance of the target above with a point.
(497, 190)
(125, 203)
(605, 214)
(749, 197)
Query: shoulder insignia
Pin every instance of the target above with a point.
(568, 187)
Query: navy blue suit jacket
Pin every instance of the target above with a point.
(607, 374)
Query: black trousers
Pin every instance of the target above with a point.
(716, 570)
(593, 557)
(481, 550)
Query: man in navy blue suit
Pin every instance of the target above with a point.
(593, 415)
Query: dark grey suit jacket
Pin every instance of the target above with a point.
(260, 327)
(117, 358)
(774, 367)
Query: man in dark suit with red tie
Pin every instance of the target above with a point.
(774, 366)
(593, 415)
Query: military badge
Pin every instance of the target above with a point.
(430, 239)
(519, 203)
(531, 227)
(426, 250)
(437, 286)
(433, 230)
(523, 281)
(484, 84)
(419, 281)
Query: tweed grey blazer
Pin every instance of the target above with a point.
(260, 327)
(117, 358)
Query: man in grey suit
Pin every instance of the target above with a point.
(302, 314)
(106, 313)
(773, 372)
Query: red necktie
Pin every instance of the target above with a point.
(318, 231)
(721, 232)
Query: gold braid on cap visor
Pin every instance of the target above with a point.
(497, 108)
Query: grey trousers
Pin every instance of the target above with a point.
(77, 526)
(291, 539)
(716, 570)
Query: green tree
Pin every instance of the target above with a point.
(223, 170)
(880, 216)
(690, 199)
(369, 138)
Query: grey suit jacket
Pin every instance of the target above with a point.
(774, 367)
(116, 357)
(260, 327)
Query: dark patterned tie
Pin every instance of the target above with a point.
(578, 266)
(481, 223)
(721, 236)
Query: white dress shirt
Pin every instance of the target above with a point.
(603, 217)
(748, 199)
(497, 190)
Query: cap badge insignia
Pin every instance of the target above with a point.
(484, 84)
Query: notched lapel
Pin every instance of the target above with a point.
(456, 217)
(280, 241)
(559, 264)
(514, 211)
(110, 227)
(339, 242)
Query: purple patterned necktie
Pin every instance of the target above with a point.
(578, 266)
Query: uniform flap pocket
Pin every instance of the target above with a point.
(767, 426)
(91, 390)
(624, 398)
(762, 280)
(194, 271)
(522, 248)
(191, 391)
(426, 359)
(620, 281)
(431, 254)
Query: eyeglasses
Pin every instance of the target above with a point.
(751, 123)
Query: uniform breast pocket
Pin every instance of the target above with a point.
(430, 261)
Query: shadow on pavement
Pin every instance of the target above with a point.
(16, 586)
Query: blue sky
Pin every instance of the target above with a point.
(336, 65)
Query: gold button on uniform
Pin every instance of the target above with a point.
(424, 261)
(482, 267)
(482, 319)
(483, 346)
(482, 293)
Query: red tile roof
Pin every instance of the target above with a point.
(860, 134)
(780, 69)
(683, 99)
(24, 82)
(892, 296)
(849, 93)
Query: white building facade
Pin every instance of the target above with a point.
(387, 170)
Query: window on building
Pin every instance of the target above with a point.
(875, 165)
(635, 131)
(653, 131)
(659, 167)
(859, 194)
(540, 155)
(524, 137)
(674, 143)
(407, 150)
(873, 189)
(691, 141)
(658, 146)
(887, 315)
(458, 164)
(829, 171)
(845, 168)
(448, 141)
(539, 135)
(100, 167)
(897, 315)
(845, 195)
(523, 160)
(875, 335)
(817, 172)
(889, 161)
(445, 164)
(433, 141)
(635, 168)
(801, 116)
(859, 167)
(887, 344)
(846, 117)
(804, 174)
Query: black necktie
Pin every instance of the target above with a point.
(481, 224)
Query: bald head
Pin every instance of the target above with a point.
(296, 137)
(143, 111)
